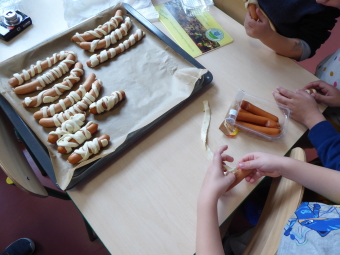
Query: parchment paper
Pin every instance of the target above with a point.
(153, 76)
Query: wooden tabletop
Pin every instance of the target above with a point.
(145, 201)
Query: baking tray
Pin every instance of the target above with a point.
(39, 151)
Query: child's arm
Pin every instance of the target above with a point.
(288, 47)
(215, 184)
(331, 3)
(319, 179)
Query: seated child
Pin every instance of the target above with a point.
(318, 224)
(301, 25)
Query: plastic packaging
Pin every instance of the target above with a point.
(283, 113)
(194, 8)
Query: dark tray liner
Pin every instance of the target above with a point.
(40, 153)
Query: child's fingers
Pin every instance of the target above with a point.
(280, 99)
(260, 14)
(227, 158)
(285, 92)
(218, 153)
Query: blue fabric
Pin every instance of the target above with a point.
(301, 19)
(326, 141)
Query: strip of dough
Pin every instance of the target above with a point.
(112, 52)
(72, 98)
(112, 38)
(52, 94)
(101, 30)
(49, 77)
(40, 66)
(205, 127)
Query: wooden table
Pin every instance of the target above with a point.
(145, 202)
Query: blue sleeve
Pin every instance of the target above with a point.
(326, 141)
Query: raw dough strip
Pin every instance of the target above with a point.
(112, 52)
(52, 94)
(205, 127)
(107, 103)
(79, 107)
(101, 30)
(40, 66)
(68, 127)
(69, 141)
(88, 149)
(48, 77)
(72, 98)
(112, 38)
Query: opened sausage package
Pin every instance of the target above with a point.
(256, 117)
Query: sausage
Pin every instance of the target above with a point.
(245, 105)
(49, 77)
(107, 103)
(70, 126)
(252, 10)
(258, 120)
(40, 66)
(52, 94)
(104, 55)
(81, 106)
(261, 129)
(240, 174)
(71, 99)
(69, 141)
(88, 149)
(112, 38)
(101, 30)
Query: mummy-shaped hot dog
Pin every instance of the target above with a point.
(52, 94)
(70, 126)
(107, 103)
(69, 141)
(49, 77)
(79, 107)
(71, 99)
(112, 38)
(251, 5)
(40, 66)
(101, 30)
(88, 149)
(112, 52)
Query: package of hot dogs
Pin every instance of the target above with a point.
(255, 116)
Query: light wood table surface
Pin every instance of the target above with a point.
(145, 202)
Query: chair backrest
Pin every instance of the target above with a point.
(284, 198)
(13, 161)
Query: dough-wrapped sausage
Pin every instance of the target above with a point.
(107, 103)
(240, 174)
(69, 141)
(88, 149)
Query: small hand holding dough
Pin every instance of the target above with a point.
(107, 103)
(70, 126)
(88, 149)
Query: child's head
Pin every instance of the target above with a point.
(331, 3)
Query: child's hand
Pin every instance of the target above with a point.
(264, 164)
(303, 107)
(331, 3)
(330, 95)
(216, 182)
(258, 29)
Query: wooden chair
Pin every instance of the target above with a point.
(284, 198)
(18, 170)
